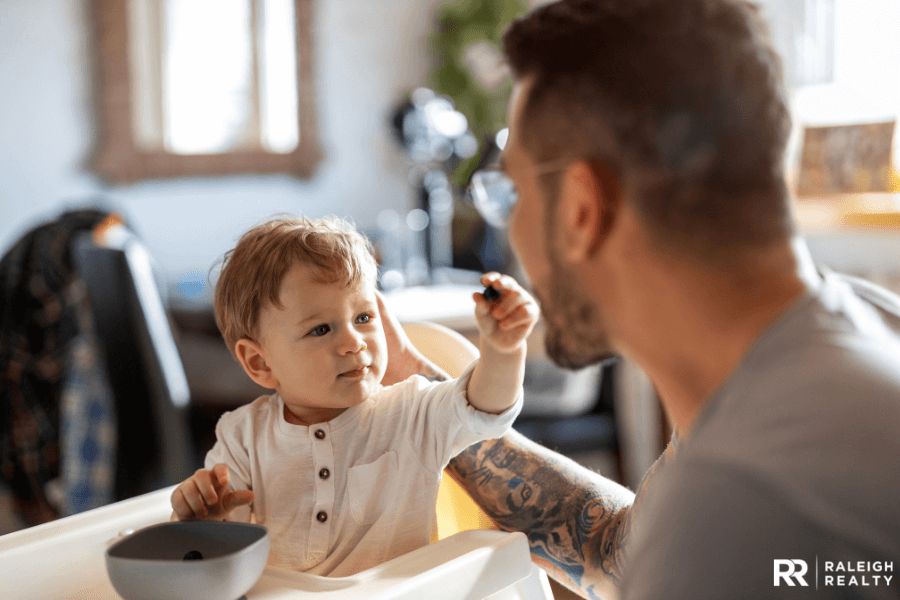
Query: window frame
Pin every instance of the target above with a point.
(118, 158)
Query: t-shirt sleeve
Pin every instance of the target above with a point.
(715, 533)
(231, 450)
(443, 422)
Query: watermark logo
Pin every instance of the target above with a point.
(788, 570)
(792, 572)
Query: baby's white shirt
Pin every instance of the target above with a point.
(384, 460)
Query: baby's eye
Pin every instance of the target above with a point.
(320, 330)
(363, 318)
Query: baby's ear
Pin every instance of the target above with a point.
(253, 359)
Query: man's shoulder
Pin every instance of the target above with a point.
(806, 418)
(794, 456)
(823, 460)
(827, 371)
(835, 358)
(852, 315)
(840, 287)
(714, 531)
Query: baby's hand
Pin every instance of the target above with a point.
(206, 495)
(504, 323)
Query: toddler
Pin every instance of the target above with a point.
(343, 471)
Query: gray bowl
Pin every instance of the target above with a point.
(154, 563)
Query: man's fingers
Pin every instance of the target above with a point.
(235, 499)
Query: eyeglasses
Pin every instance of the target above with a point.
(494, 193)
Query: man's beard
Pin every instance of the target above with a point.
(575, 334)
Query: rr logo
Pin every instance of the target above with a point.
(785, 569)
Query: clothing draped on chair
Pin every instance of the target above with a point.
(53, 389)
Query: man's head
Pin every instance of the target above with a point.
(295, 302)
(675, 107)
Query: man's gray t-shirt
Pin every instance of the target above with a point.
(795, 458)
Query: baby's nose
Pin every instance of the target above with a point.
(353, 343)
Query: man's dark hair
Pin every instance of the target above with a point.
(683, 99)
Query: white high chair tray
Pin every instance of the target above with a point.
(65, 559)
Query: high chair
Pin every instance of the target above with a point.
(452, 352)
(456, 511)
(471, 560)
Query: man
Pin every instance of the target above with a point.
(646, 145)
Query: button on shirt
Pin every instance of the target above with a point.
(342, 496)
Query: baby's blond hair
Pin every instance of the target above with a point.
(252, 272)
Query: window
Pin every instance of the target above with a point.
(204, 87)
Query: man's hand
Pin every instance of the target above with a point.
(403, 358)
(206, 495)
(506, 322)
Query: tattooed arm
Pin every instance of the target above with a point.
(576, 520)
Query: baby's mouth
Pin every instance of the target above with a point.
(356, 372)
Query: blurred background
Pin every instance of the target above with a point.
(193, 120)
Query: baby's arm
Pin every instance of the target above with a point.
(504, 325)
(206, 495)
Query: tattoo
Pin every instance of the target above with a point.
(576, 520)
(433, 375)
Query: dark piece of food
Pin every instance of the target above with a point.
(490, 294)
(193, 555)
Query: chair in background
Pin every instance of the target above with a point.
(44, 330)
(92, 393)
(147, 379)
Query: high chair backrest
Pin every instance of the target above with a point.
(147, 379)
(452, 352)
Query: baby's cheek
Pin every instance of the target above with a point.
(378, 346)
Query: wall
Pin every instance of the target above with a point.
(866, 88)
(369, 53)
(866, 85)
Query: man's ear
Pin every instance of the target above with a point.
(585, 209)
(252, 358)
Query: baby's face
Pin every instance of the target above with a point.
(326, 346)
